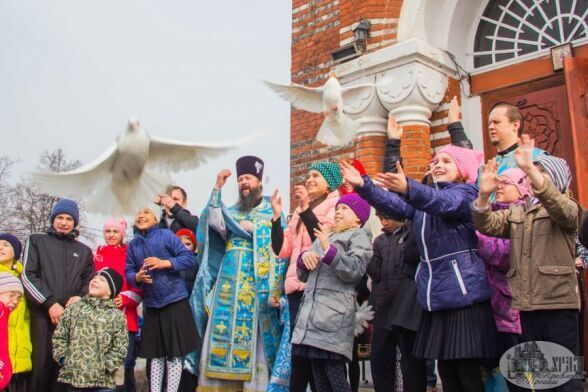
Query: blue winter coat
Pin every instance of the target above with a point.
(450, 275)
(168, 284)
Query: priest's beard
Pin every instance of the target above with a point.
(251, 199)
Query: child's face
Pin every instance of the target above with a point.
(145, 219)
(99, 287)
(389, 225)
(187, 242)
(316, 185)
(444, 168)
(344, 216)
(113, 236)
(10, 299)
(507, 191)
(6, 251)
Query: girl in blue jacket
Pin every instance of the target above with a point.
(457, 327)
(155, 258)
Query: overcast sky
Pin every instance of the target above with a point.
(72, 73)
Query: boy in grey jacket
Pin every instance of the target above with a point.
(331, 269)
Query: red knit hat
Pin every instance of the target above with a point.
(359, 167)
(188, 233)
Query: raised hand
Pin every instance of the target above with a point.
(453, 113)
(489, 178)
(322, 233)
(524, 153)
(276, 206)
(301, 194)
(395, 182)
(351, 174)
(221, 178)
(310, 260)
(394, 130)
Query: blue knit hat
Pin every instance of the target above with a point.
(65, 206)
(331, 173)
(14, 242)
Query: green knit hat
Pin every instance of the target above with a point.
(330, 171)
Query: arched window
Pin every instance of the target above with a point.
(510, 29)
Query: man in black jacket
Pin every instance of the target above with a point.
(57, 273)
(175, 215)
(397, 313)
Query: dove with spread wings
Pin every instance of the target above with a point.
(130, 172)
(337, 128)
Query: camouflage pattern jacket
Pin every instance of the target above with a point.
(90, 342)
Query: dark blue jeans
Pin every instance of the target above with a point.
(130, 363)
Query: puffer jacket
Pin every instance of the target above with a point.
(495, 252)
(450, 275)
(111, 256)
(297, 239)
(326, 317)
(542, 273)
(90, 342)
(56, 267)
(19, 333)
(392, 268)
(168, 285)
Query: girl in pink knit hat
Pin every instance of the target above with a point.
(114, 255)
(457, 327)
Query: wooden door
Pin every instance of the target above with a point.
(576, 73)
(545, 110)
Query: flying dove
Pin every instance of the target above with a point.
(130, 172)
(338, 128)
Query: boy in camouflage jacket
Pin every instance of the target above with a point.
(90, 341)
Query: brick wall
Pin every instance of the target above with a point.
(318, 28)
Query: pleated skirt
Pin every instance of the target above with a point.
(168, 332)
(468, 332)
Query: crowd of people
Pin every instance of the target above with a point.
(467, 262)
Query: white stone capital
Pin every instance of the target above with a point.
(410, 80)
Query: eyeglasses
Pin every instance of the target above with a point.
(503, 183)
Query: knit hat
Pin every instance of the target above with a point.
(468, 161)
(359, 167)
(250, 165)
(117, 224)
(14, 242)
(188, 233)
(114, 280)
(518, 178)
(557, 169)
(360, 207)
(330, 172)
(9, 282)
(65, 206)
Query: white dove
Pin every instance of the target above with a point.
(124, 178)
(338, 128)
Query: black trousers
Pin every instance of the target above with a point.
(301, 374)
(45, 370)
(383, 361)
(18, 382)
(460, 375)
(556, 326)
